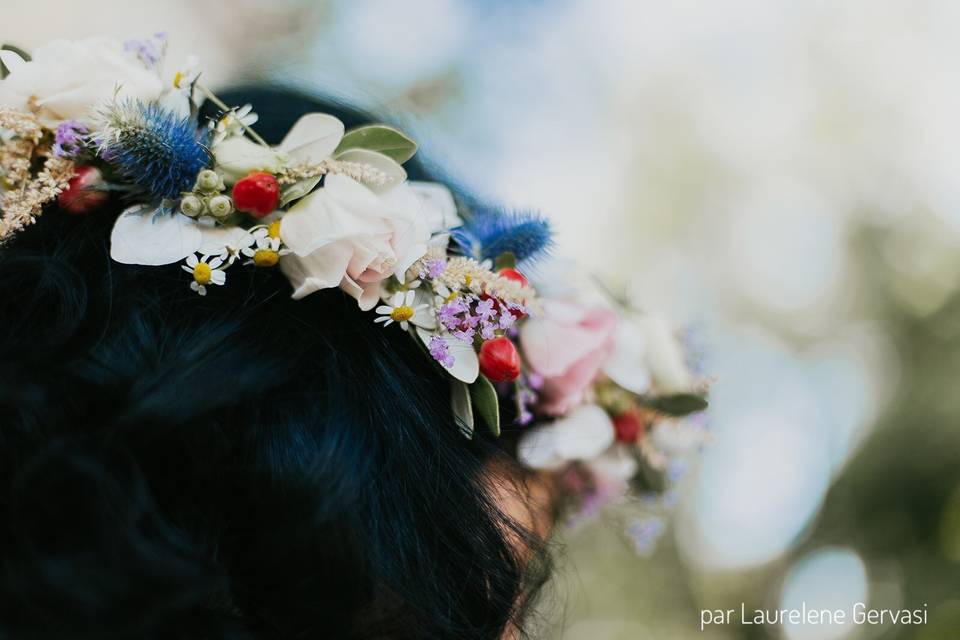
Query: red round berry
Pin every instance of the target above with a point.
(629, 426)
(499, 360)
(257, 193)
(80, 196)
(513, 274)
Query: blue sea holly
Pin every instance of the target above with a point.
(488, 233)
(158, 150)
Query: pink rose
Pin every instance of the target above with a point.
(567, 344)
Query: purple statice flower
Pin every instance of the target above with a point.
(487, 330)
(485, 309)
(465, 335)
(450, 313)
(506, 320)
(644, 533)
(440, 351)
(526, 399)
(149, 51)
(435, 268)
(69, 138)
(535, 380)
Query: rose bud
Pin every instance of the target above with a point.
(499, 360)
(258, 194)
(629, 426)
(513, 274)
(80, 196)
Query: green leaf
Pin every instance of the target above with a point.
(462, 408)
(505, 260)
(4, 72)
(486, 404)
(379, 138)
(681, 404)
(298, 189)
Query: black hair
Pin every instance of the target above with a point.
(240, 465)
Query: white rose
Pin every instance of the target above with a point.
(67, 79)
(346, 235)
(584, 434)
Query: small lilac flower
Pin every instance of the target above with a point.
(506, 320)
(149, 51)
(69, 138)
(441, 352)
(449, 313)
(465, 335)
(485, 309)
(435, 268)
(487, 331)
(535, 380)
(525, 417)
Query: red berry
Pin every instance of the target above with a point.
(629, 426)
(257, 194)
(513, 274)
(80, 196)
(499, 360)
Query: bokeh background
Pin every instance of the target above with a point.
(780, 177)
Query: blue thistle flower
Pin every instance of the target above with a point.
(488, 233)
(156, 149)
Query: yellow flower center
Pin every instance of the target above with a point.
(401, 313)
(274, 229)
(265, 257)
(177, 79)
(450, 298)
(202, 273)
(467, 279)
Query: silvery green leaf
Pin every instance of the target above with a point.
(678, 405)
(486, 404)
(298, 189)
(462, 407)
(379, 138)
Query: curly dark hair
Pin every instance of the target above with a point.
(240, 465)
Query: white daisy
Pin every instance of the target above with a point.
(401, 309)
(232, 123)
(204, 271)
(263, 247)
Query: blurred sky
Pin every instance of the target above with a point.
(717, 160)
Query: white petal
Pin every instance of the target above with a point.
(397, 299)
(408, 298)
(186, 268)
(313, 138)
(383, 309)
(537, 448)
(216, 262)
(405, 325)
(583, 434)
(439, 208)
(382, 318)
(466, 365)
(140, 236)
(616, 462)
(218, 277)
(192, 260)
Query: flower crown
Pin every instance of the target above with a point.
(88, 120)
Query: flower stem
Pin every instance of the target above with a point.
(220, 103)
